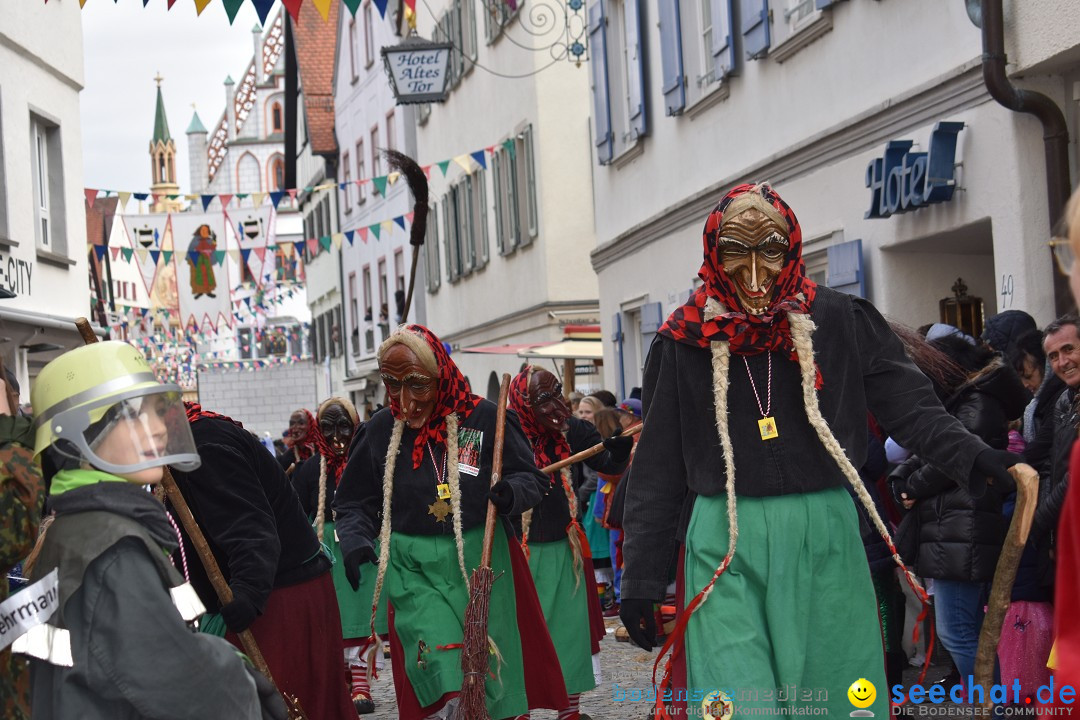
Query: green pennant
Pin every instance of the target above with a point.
(375, 229)
(353, 5)
(166, 255)
(509, 145)
(172, 197)
(380, 184)
(444, 165)
(231, 8)
(241, 196)
(324, 241)
(127, 253)
(219, 257)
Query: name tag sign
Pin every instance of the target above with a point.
(901, 180)
(33, 605)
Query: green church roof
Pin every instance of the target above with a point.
(161, 123)
(196, 125)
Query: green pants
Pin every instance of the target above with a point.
(793, 622)
(355, 605)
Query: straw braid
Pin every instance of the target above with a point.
(320, 514)
(526, 523)
(573, 530)
(801, 329)
(384, 531)
(454, 479)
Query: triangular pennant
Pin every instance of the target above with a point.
(337, 239)
(241, 197)
(257, 199)
(234, 255)
(323, 6)
(155, 255)
(388, 226)
(141, 253)
(225, 200)
(393, 177)
(206, 200)
(443, 166)
(427, 171)
(313, 246)
(275, 197)
(100, 251)
(171, 3)
(381, 4)
(166, 256)
(200, 5)
(245, 253)
(363, 234)
(298, 246)
(260, 252)
(140, 196)
(350, 235)
(375, 230)
(409, 217)
(124, 197)
(292, 193)
(324, 241)
(128, 253)
(293, 6)
(155, 198)
(400, 220)
(172, 197)
(231, 8)
(509, 145)
(490, 149)
(380, 185)
(219, 257)
(91, 196)
(115, 251)
(353, 5)
(478, 156)
(262, 7)
(463, 161)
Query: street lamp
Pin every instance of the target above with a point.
(418, 70)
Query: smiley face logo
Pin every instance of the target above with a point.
(717, 705)
(862, 694)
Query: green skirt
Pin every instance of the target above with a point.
(355, 605)
(424, 584)
(566, 610)
(599, 537)
(793, 621)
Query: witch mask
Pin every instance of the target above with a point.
(754, 245)
(336, 427)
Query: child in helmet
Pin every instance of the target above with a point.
(118, 643)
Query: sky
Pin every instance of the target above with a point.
(124, 46)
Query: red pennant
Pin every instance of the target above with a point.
(409, 217)
(313, 246)
(293, 6)
(224, 200)
(292, 194)
(490, 149)
(427, 171)
(260, 252)
(91, 196)
(155, 197)
(115, 252)
(171, 3)
(363, 233)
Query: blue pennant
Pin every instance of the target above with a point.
(478, 156)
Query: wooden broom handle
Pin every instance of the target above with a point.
(496, 469)
(213, 571)
(586, 454)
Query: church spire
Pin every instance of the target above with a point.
(161, 123)
(163, 160)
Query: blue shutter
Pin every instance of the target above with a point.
(755, 28)
(635, 54)
(617, 338)
(845, 268)
(723, 46)
(671, 57)
(822, 4)
(605, 146)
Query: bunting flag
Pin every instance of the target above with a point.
(400, 220)
(375, 230)
(463, 161)
(293, 6)
(379, 184)
(444, 166)
(231, 8)
(253, 229)
(200, 5)
(323, 6)
(381, 5)
(91, 195)
(123, 197)
(363, 234)
(262, 7)
(478, 156)
(354, 5)
(145, 233)
(203, 279)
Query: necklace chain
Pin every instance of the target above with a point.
(768, 407)
(439, 474)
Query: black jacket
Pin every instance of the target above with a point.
(552, 515)
(305, 479)
(250, 515)
(863, 368)
(959, 537)
(1038, 452)
(359, 499)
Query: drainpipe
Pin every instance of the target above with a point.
(1055, 131)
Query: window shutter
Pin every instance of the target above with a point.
(651, 318)
(605, 141)
(755, 28)
(635, 70)
(725, 61)
(671, 57)
(845, 268)
(822, 4)
(617, 338)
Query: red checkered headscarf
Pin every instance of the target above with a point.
(454, 395)
(303, 447)
(195, 412)
(335, 463)
(747, 334)
(548, 447)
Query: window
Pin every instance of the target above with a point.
(391, 131)
(376, 161)
(384, 307)
(277, 173)
(248, 174)
(799, 23)
(517, 216)
(618, 89)
(352, 48)
(354, 315)
(399, 282)
(285, 262)
(528, 169)
(369, 38)
(431, 252)
(3, 185)
(277, 123)
(496, 18)
(465, 225)
(361, 171)
(47, 172)
(369, 333)
(347, 193)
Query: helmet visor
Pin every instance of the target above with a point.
(130, 432)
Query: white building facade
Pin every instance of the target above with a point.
(826, 100)
(43, 258)
(374, 269)
(507, 246)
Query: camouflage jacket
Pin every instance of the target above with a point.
(21, 492)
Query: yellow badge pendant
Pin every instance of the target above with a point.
(443, 491)
(767, 427)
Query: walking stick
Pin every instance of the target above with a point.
(586, 454)
(474, 652)
(1027, 495)
(418, 186)
(221, 588)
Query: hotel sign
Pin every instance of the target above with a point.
(901, 180)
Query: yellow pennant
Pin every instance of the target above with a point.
(388, 226)
(323, 6)
(123, 197)
(337, 239)
(465, 162)
(325, 186)
(257, 199)
(200, 5)
(286, 249)
(393, 177)
(234, 255)
(142, 253)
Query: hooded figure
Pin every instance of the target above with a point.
(1003, 331)
(755, 399)
(419, 480)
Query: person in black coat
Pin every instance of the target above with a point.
(959, 537)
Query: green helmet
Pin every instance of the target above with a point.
(84, 395)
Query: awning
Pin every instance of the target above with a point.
(516, 349)
(567, 349)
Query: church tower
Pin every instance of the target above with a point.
(163, 160)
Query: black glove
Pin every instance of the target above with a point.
(239, 614)
(619, 446)
(270, 702)
(502, 497)
(633, 613)
(992, 466)
(354, 560)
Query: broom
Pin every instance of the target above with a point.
(418, 186)
(224, 592)
(588, 453)
(474, 652)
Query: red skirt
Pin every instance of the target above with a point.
(596, 613)
(299, 634)
(1067, 586)
(543, 678)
